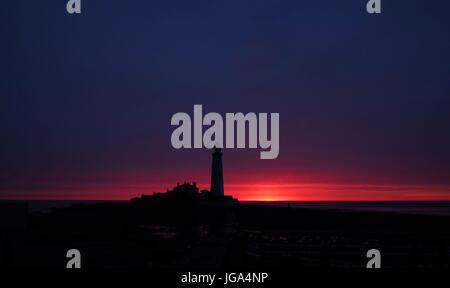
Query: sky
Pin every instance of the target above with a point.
(364, 100)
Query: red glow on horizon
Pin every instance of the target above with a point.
(337, 192)
(242, 191)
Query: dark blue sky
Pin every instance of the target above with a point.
(362, 98)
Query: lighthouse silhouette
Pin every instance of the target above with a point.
(217, 173)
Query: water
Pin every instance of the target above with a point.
(47, 205)
(403, 207)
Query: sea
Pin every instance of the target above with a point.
(402, 207)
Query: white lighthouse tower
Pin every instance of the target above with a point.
(217, 173)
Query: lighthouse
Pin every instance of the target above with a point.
(217, 173)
